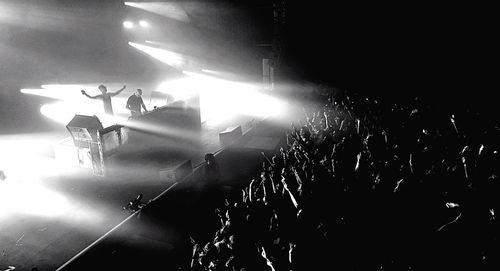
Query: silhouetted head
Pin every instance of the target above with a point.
(232, 241)
(209, 158)
(138, 92)
(102, 88)
(304, 133)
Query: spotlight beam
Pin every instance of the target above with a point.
(128, 24)
(173, 59)
(167, 9)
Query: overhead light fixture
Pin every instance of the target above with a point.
(128, 24)
(144, 24)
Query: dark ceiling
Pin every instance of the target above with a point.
(393, 48)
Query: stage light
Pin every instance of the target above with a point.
(59, 112)
(131, 4)
(222, 74)
(209, 71)
(175, 60)
(144, 24)
(222, 99)
(179, 89)
(71, 102)
(163, 130)
(25, 159)
(57, 91)
(168, 9)
(30, 199)
(128, 24)
(21, 195)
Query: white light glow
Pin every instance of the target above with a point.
(168, 9)
(144, 24)
(131, 4)
(209, 71)
(28, 166)
(222, 99)
(161, 129)
(222, 74)
(59, 92)
(71, 102)
(179, 89)
(63, 112)
(59, 112)
(32, 199)
(128, 24)
(176, 60)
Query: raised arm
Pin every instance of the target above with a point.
(327, 122)
(250, 191)
(292, 197)
(118, 91)
(88, 96)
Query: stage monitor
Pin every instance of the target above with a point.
(84, 129)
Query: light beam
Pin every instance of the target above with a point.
(167, 9)
(173, 59)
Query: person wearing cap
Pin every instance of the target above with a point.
(106, 97)
(135, 104)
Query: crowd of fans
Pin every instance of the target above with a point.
(367, 185)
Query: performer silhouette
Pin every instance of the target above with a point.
(135, 104)
(106, 97)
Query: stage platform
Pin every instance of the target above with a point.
(65, 209)
(158, 235)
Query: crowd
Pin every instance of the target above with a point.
(366, 185)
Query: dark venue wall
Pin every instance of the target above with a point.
(395, 51)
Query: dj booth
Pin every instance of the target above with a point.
(91, 144)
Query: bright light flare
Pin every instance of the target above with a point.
(27, 166)
(144, 24)
(179, 89)
(27, 157)
(71, 102)
(223, 99)
(176, 60)
(168, 9)
(64, 92)
(63, 112)
(161, 130)
(21, 197)
(32, 199)
(128, 24)
(59, 92)
(209, 71)
(222, 74)
(132, 4)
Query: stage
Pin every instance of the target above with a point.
(50, 211)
